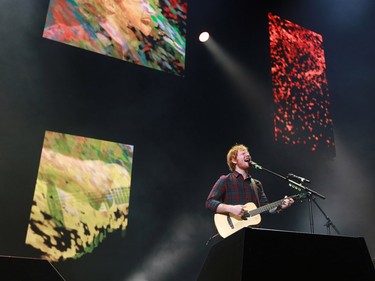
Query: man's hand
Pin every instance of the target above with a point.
(287, 202)
(237, 210)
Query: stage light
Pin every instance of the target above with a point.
(204, 36)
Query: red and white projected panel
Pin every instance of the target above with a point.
(300, 87)
(150, 33)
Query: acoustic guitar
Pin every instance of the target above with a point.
(227, 224)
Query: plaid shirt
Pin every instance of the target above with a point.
(232, 189)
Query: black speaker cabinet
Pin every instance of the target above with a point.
(27, 269)
(262, 253)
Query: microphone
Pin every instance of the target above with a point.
(255, 165)
(301, 179)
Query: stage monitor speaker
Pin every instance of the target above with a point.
(262, 253)
(27, 269)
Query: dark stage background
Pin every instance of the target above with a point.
(182, 127)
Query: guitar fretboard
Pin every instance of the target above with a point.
(264, 208)
(268, 207)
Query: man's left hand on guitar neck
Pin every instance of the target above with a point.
(287, 202)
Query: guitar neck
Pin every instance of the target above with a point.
(272, 205)
(119, 195)
(265, 208)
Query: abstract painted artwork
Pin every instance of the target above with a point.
(151, 33)
(81, 195)
(302, 115)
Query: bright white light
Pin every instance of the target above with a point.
(204, 36)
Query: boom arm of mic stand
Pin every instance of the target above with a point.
(292, 183)
(302, 188)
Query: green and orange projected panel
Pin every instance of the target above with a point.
(300, 87)
(151, 33)
(81, 195)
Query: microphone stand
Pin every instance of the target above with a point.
(329, 223)
(310, 198)
(307, 191)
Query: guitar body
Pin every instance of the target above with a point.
(229, 224)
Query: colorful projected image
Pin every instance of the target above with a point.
(151, 33)
(81, 195)
(300, 87)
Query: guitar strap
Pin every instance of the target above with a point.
(255, 187)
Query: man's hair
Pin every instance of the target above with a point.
(232, 154)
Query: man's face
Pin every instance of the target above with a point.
(242, 159)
